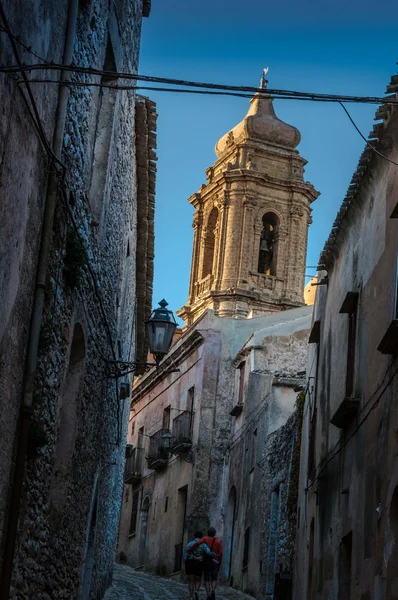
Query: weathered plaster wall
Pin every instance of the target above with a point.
(354, 468)
(227, 452)
(63, 549)
(261, 449)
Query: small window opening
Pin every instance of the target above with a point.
(209, 246)
(166, 418)
(166, 504)
(241, 367)
(267, 252)
(350, 373)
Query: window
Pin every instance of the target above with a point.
(350, 374)
(349, 307)
(190, 404)
(268, 245)
(166, 504)
(241, 382)
(166, 418)
(209, 244)
(246, 549)
(140, 440)
(134, 513)
(345, 560)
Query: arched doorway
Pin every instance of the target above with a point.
(68, 426)
(229, 532)
(143, 532)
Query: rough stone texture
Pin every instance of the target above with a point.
(256, 174)
(348, 499)
(68, 524)
(128, 584)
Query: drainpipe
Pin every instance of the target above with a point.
(38, 304)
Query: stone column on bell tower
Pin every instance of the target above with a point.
(251, 221)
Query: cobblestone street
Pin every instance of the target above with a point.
(129, 584)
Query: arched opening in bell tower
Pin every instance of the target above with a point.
(209, 245)
(268, 245)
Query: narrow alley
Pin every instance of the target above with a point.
(130, 584)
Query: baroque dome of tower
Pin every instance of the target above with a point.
(260, 124)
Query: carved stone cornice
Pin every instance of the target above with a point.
(172, 360)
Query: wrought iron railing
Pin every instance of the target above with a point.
(134, 465)
(204, 285)
(182, 426)
(159, 446)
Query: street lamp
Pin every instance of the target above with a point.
(160, 329)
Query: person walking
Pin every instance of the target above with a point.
(211, 565)
(194, 554)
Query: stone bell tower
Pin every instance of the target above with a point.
(251, 221)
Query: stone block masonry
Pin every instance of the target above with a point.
(69, 512)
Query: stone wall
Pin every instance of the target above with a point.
(347, 529)
(73, 481)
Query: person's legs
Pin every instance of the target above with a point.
(198, 581)
(191, 585)
(214, 580)
(207, 579)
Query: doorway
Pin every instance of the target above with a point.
(143, 532)
(180, 527)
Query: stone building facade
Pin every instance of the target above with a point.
(70, 292)
(347, 532)
(213, 431)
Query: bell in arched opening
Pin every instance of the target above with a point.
(266, 262)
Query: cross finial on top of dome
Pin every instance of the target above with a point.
(263, 81)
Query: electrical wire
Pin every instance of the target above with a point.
(116, 87)
(292, 94)
(365, 139)
(340, 448)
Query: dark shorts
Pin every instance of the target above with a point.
(193, 567)
(210, 573)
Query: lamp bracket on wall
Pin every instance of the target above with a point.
(120, 368)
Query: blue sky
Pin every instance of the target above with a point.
(340, 47)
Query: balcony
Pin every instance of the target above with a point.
(204, 285)
(159, 449)
(182, 436)
(134, 465)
